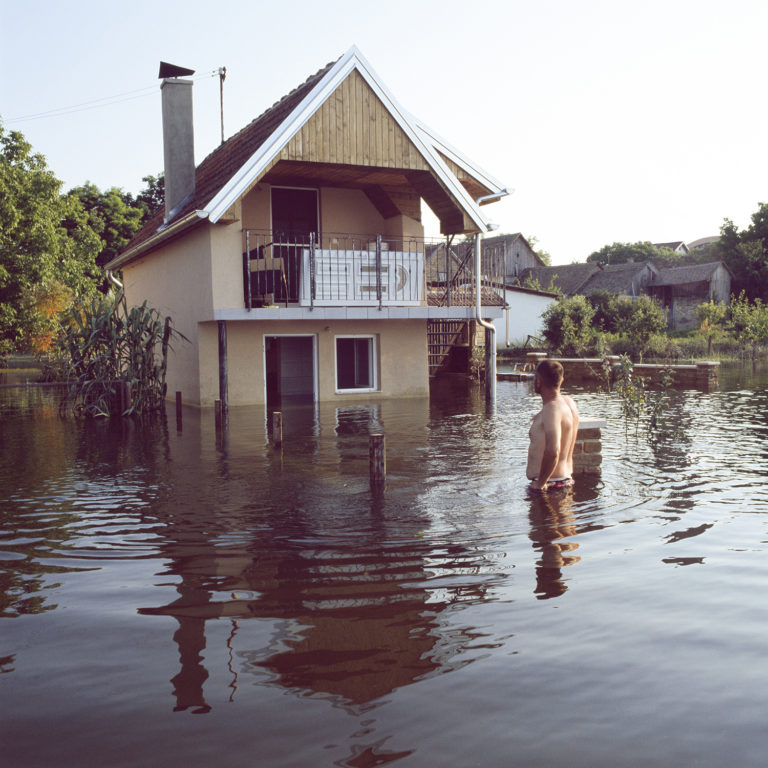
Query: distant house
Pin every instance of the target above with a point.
(677, 245)
(703, 242)
(515, 251)
(293, 257)
(628, 279)
(681, 289)
(522, 315)
(565, 278)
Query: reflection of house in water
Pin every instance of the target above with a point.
(358, 619)
(346, 578)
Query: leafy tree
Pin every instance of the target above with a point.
(152, 196)
(746, 254)
(568, 325)
(113, 215)
(622, 253)
(44, 239)
(545, 256)
(748, 320)
(711, 317)
(639, 319)
(44, 303)
(606, 310)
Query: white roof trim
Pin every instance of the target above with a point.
(352, 59)
(457, 157)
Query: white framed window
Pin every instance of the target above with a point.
(356, 363)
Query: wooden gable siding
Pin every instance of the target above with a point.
(353, 127)
(469, 182)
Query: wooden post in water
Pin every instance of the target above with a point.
(124, 395)
(178, 410)
(277, 429)
(223, 372)
(377, 460)
(217, 415)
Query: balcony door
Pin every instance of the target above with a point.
(294, 217)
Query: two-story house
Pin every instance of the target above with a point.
(293, 257)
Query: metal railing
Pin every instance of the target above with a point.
(341, 269)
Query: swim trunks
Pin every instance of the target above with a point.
(558, 483)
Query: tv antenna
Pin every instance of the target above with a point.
(222, 76)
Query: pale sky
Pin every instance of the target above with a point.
(611, 120)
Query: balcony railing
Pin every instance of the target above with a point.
(344, 270)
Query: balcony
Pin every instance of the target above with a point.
(345, 270)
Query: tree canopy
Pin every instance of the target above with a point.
(45, 239)
(746, 254)
(113, 215)
(622, 253)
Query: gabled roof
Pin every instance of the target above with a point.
(568, 278)
(616, 278)
(694, 273)
(510, 240)
(676, 245)
(234, 167)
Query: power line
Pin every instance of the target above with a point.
(106, 101)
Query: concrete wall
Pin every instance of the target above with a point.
(701, 375)
(177, 282)
(525, 311)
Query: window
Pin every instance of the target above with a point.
(356, 364)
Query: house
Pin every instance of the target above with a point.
(523, 315)
(681, 289)
(517, 253)
(293, 257)
(564, 278)
(629, 279)
(703, 243)
(678, 246)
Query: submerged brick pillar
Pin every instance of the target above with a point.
(588, 453)
(706, 373)
(532, 359)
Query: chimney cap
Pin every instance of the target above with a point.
(171, 70)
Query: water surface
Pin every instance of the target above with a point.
(168, 597)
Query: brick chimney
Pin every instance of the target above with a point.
(178, 143)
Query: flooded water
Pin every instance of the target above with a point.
(167, 598)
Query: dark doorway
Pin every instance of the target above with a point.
(294, 218)
(290, 369)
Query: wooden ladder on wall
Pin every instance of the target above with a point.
(442, 336)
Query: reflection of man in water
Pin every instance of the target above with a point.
(553, 527)
(553, 431)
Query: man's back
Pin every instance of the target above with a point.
(554, 429)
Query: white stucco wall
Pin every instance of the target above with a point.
(523, 317)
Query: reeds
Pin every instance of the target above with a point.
(111, 350)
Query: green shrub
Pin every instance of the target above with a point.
(568, 325)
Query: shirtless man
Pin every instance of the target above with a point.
(553, 431)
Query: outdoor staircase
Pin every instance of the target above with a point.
(442, 336)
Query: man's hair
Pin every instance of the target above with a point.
(550, 372)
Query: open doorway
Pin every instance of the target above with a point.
(294, 218)
(290, 366)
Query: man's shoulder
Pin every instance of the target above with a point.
(571, 403)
